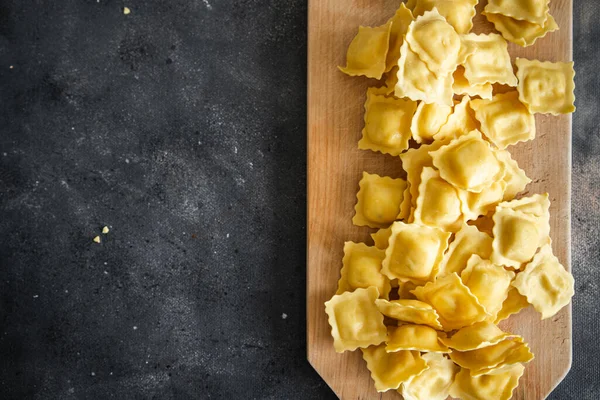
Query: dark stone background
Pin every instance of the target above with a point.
(182, 127)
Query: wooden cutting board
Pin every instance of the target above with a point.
(335, 165)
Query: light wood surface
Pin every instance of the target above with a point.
(335, 120)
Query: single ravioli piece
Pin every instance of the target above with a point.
(547, 285)
(407, 310)
(461, 122)
(517, 236)
(488, 282)
(458, 13)
(467, 241)
(495, 358)
(462, 86)
(355, 320)
(468, 163)
(484, 387)
(387, 123)
(454, 302)
(390, 370)
(546, 87)
(414, 337)
(381, 237)
(367, 52)
(413, 162)
(536, 205)
(362, 268)
(417, 82)
(521, 32)
(476, 336)
(414, 252)
(504, 119)
(475, 205)
(379, 200)
(515, 178)
(428, 120)
(514, 303)
(490, 63)
(534, 11)
(400, 22)
(435, 41)
(438, 203)
(433, 383)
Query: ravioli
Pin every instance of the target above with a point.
(545, 283)
(459, 123)
(414, 252)
(546, 87)
(467, 241)
(490, 63)
(504, 119)
(406, 205)
(468, 163)
(454, 302)
(379, 200)
(476, 336)
(355, 320)
(414, 337)
(462, 86)
(438, 203)
(458, 13)
(488, 282)
(515, 178)
(475, 205)
(404, 293)
(387, 123)
(390, 370)
(534, 11)
(433, 383)
(523, 33)
(381, 237)
(413, 162)
(494, 358)
(367, 52)
(514, 303)
(428, 120)
(484, 387)
(400, 22)
(361, 268)
(412, 311)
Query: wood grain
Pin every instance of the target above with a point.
(335, 120)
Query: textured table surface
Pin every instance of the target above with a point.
(181, 126)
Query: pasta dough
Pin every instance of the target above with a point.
(438, 203)
(361, 268)
(379, 200)
(490, 63)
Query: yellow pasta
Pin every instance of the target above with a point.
(408, 310)
(379, 200)
(400, 22)
(428, 120)
(413, 162)
(476, 336)
(433, 383)
(504, 119)
(361, 268)
(515, 178)
(462, 86)
(514, 303)
(381, 237)
(490, 63)
(414, 337)
(534, 11)
(387, 123)
(484, 387)
(521, 32)
(475, 205)
(494, 358)
(460, 122)
(438, 203)
(367, 52)
(355, 320)
(546, 87)
(458, 13)
(467, 241)
(390, 370)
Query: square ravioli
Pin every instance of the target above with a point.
(355, 320)
(414, 337)
(504, 119)
(367, 52)
(495, 358)
(468, 163)
(400, 22)
(521, 32)
(413, 162)
(546, 87)
(484, 387)
(488, 282)
(460, 122)
(390, 370)
(435, 41)
(546, 284)
(476, 336)
(361, 268)
(534, 11)
(433, 383)
(438, 203)
(467, 241)
(414, 252)
(458, 13)
(490, 63)
(462, 86)
(387, 123)
(475, 205)
(381, 237)
(428, 120)
(417, 82)
(378, 200)
(515, 178)
(408, 310)
(454, 302)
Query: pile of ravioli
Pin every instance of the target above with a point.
(457, 249)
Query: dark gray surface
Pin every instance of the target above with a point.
(182, 127)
